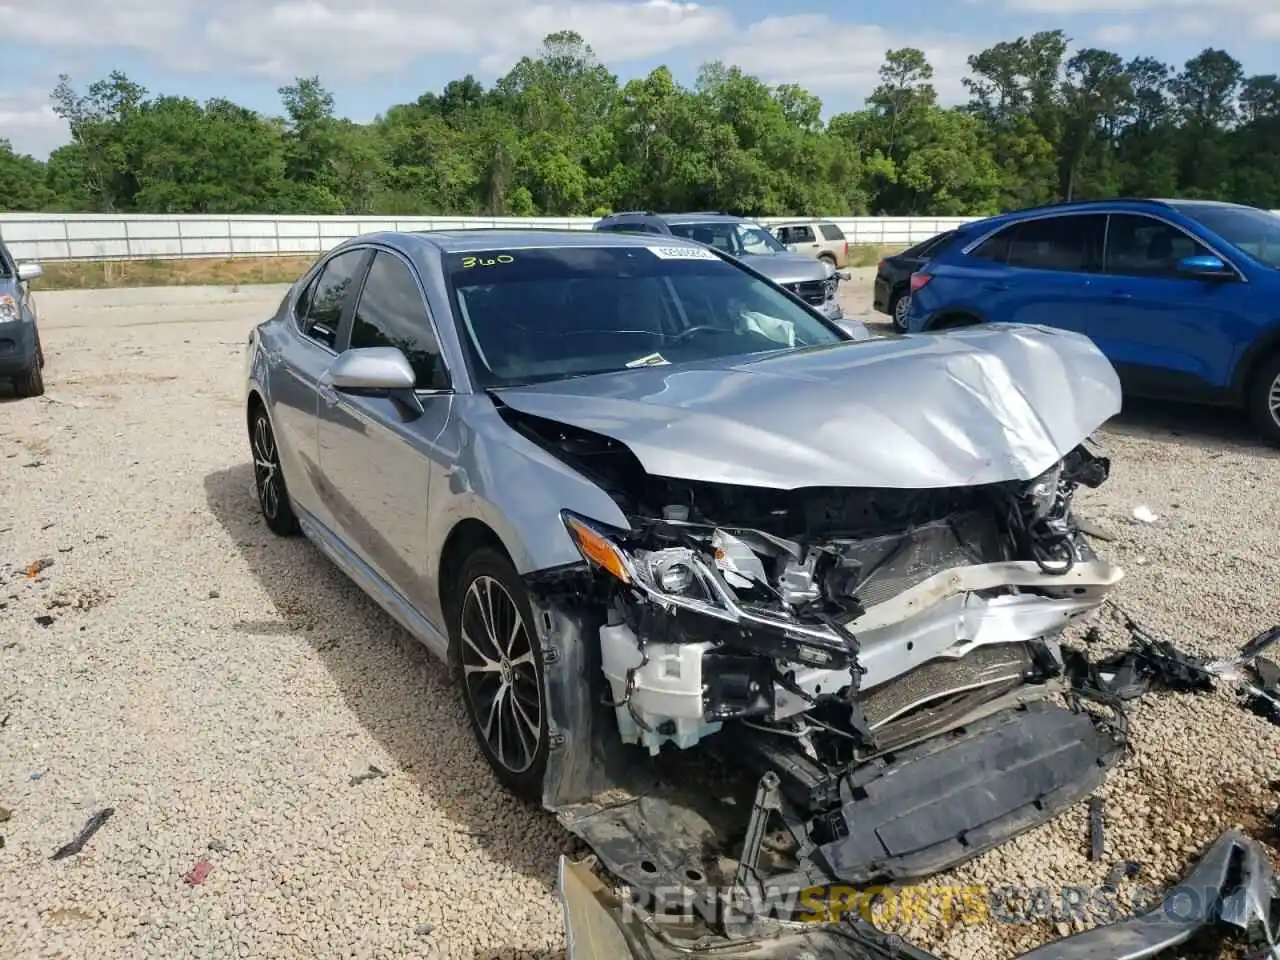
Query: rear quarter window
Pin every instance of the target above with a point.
(830, 231)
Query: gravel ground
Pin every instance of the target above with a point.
(219, 688)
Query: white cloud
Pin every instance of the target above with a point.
(29, 123)
(1255, 19)
(841, 58)
(358, 39)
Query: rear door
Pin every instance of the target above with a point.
(317, 320)
(1042, 271)
(802, 239)
(1165, 333)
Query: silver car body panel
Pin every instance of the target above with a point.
(978, 406)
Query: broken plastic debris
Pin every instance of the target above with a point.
(36, 567)
(1143, 514)
(423, 929)
(373, 774)
(1097, 839)
(196, 876)
(92, 826)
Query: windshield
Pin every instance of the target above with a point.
(555, 312)
(1254, 231)
(733, 237)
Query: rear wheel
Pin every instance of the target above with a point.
(499, 667)
(898, 308)
(1264, 399)
(273, 495)
(830, 258)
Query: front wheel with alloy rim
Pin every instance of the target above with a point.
(1264, 399)
(898, 310)
(273, 496)
(498, 664)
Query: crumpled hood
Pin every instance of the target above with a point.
(971, 406)
(788, 267)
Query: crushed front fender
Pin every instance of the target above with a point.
(1229, 894)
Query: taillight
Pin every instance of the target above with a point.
(880, 265)
(846, 248)
(919, 280)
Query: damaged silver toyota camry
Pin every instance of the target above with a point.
(747, 598)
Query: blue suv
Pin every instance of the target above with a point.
(1183, 296)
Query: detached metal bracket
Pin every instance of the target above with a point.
(768, 800)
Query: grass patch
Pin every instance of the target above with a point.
(869, 254)
(220, 271)
(244, 271)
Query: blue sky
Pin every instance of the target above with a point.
(372, 53)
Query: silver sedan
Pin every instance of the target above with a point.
(663, 520)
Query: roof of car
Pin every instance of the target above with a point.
(802, 221)
(1073, 206)
(706, 216)
(460, 241)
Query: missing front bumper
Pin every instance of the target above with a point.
(1228, 894)
(925, 809)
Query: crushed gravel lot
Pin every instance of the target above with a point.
(224, 691)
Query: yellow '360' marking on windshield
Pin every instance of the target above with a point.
(482, 262)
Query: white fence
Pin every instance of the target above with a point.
(53, 237)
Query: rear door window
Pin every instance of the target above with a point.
(1068, 243)
(801, 235)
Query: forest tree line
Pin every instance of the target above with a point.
(559, 135)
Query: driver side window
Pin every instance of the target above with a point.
(319, 309)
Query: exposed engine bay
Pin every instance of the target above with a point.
(877, 665)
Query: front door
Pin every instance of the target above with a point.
(376, 456)
(1167, 335)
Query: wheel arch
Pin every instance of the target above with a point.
(1251, 361)
(466, 537)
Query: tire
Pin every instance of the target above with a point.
(499, 659)
(268, 478)
(898, 307)
(830, 259)
(1264, 399)
(31, 382)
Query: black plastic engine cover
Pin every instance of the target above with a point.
(933, 806)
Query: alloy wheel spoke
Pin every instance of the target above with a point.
(500, 674)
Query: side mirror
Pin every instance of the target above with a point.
(30, 271)
(1206, 267)
(376, 370)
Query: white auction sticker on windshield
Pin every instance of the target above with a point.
(683, 253)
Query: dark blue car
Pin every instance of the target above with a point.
(1182, 296)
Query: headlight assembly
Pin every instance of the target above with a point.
(680, 577)
(9, 310)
